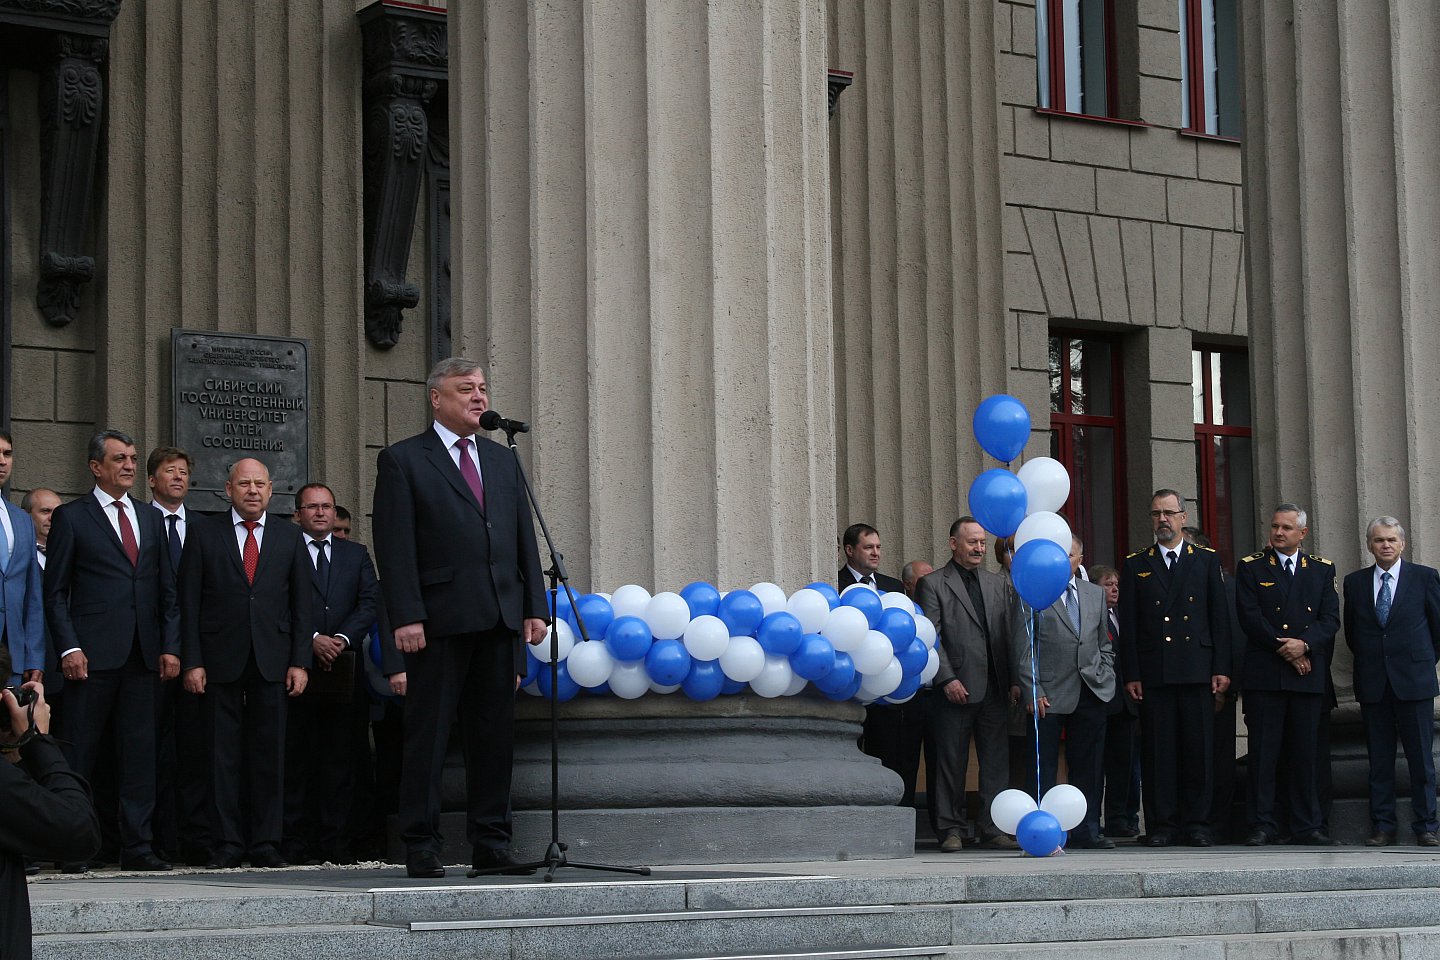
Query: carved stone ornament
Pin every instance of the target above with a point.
(405, 61)
(837, 82)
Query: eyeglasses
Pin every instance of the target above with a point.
(317, 506)
(1164, 514)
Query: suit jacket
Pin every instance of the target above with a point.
(1065, 659)
(22, 602)
(1405, 650)
(444, 561)
(943, 597)
(1174, 625)
(223, 618)
(1273, 604)
(347, 604)
(885, 584)
(95, 599)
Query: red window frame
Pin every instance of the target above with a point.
(1215, 513)
(1077, 508)
(1055, 52)
(1194, 54)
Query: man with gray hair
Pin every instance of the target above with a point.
(1289, 613)
(1392, 624)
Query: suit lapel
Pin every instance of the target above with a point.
(1063, 613)
(230, 541)
(92, 507)
(439, 458)
(957, 587)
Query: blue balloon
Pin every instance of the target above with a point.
(702, 599)
(780, 634)
(899, 626)
(1039, 833)
(1002, 425)
(628, 638)
(839, 677)
(667, 662)
(705, 681)
(597, 613)
(1040, 571)
(905, 691)
(913, 659)
(560, 609)
(998, 501)
(731, 686)
(847, 692)
(814, 659)
(601, 690)
(867, 601)
(742, 612)
(832, 596)
(567, 687)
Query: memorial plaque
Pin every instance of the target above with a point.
(236, 396)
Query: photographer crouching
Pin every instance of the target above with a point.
(45, 809)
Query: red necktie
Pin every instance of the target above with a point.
(250, 556)
(127, 534)
(468, 471)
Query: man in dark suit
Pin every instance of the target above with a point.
(1076, 667)
(321, 731)
(1392, 624)
(1175, 651)
(1122, 726)
(111, 612)
(971, 610)
(22, 617)
(1289, 613)
(245, 587)
(862, 560)
(460, 575)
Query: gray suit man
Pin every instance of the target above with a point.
(971, 611)
(1076, 665)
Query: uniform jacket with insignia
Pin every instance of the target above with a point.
(1274, 604)
(1174, 625)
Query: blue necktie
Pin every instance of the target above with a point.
(1072, 607)
(1382, 602)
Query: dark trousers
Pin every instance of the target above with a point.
(1412, 722)
(1283, 727)
(114, 710)
(1084, 731)
(1177, 734)
(1122, 771)
(1222, 798)
(472, 675)
(954, 726)
(320, 773)
(182, 797)
(245, 724)
(895, 734)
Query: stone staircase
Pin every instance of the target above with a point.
(1210, 906)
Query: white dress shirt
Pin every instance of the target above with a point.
(236, 520)
(180, 523)
(113, 515)
(866, 578)
(1394, 579)
(1166, 551)
(448, 437)
(1294, 559)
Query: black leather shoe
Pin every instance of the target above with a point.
(1088, 843)
(422, 864)
(195, 856)
(338, 854)
(1313, 838)
(499, 861)
(1199, 839)
(81, 866)
(144, 861)
(1427, 839)
(31, 867)
(1380, 838)
(268, 858)
(1258, 838)
(1159, 839)
(223, 860)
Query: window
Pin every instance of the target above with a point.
(1224, 451)
(1086, 435)
(1075, 40)
(1209, 67)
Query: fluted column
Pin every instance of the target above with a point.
(642, 261)
(1342, 201)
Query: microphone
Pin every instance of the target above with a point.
(490, 420)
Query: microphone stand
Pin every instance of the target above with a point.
(555, 854)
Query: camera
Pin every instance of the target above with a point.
(22, 695)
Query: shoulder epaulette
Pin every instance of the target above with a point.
(1206, 549)
(1135, 554)
(1327, 563)
(1254, 556)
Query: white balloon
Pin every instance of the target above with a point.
(932, 667)
(1009, 808)
(1047, 485)
(1043, 526)
(771, 597)
(796, 685)
(608, 597)
(628, 679)
(590, 663)
(897, 601)
(706, 637)
(901, 700)
(1066, 803)
(774, 678)
(883, 683)
(667, 615)
(925, 631)
(809, 607)
(663, 687)
(858, 586)
(743, 659)
(874, 653)
(566, 643)
(845, 628)
(630, 601)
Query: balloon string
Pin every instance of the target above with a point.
(1034, 697)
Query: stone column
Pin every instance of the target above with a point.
(642, 260)
(1342, 198)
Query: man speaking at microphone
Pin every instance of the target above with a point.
(460, 573)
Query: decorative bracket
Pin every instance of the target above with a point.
(72, 40)
(406, 59)
(838, 81)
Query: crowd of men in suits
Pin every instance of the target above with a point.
(213, 667)
(1140, 670)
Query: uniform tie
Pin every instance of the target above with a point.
(1170, 556)
(1290, 566)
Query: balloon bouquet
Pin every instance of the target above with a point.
(1024, 505)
